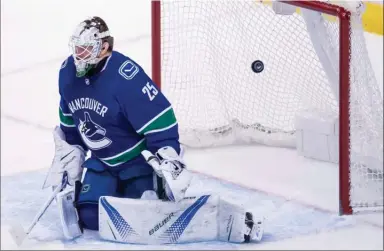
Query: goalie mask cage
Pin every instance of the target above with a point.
(314, 59)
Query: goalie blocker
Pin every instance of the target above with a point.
(193, 219)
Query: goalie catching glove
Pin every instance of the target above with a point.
(172, 169)
(67, 158)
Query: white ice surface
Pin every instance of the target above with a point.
(300, 200)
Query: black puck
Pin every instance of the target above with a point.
(257, 66)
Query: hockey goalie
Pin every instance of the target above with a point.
(132, 186)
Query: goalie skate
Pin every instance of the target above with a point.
(254, 229)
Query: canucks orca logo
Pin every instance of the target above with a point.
(92, 134)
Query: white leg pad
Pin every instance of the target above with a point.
(204, 218)
(68, 213)
(231, 220)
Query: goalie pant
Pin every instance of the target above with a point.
(193, 219)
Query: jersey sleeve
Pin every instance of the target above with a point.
(147, 109)
(67, 123)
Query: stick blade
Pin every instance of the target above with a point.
(18, 234)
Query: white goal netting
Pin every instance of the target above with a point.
(207, 49)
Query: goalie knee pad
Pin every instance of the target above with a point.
(95, 184)
(89, 216)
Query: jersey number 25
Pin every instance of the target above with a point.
(150, 90)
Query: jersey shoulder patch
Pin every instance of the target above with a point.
(128, 70)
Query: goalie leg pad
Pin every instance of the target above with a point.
(68, 214)
(232, 222)
(238, 225)
(194, 219)
(158, 222)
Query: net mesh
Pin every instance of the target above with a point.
(366, 123)
(207, 49)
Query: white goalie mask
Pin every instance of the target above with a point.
(86, 44)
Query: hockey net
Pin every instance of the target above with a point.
(202, 56)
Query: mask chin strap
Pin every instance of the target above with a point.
(83, 70)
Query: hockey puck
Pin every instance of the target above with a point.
(257, 66)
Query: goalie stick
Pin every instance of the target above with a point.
(17, 231)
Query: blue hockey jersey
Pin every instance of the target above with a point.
(115, 113)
